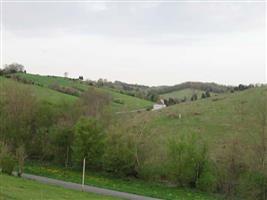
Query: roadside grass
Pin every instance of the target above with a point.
(108, 181)
(12, 188)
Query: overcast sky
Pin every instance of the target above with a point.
(147, 43)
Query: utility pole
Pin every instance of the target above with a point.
(83, 174)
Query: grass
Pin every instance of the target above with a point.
(180, 94)
(43, 93)
(216, 119)
(130, 185)
(128, 102)
(22, 189)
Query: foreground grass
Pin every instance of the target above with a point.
(22, 189)
(126, 185)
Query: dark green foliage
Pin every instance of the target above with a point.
(7, 163)
(88, 142)
(119, 155)
(119, 101)
(13, 68)
(203, 95)
(187, 159)
(63, 141)
(253, 185)
(207, 93)
(194, 97)
(208, 180)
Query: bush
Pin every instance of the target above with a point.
(7, 163)
(118, 101)
(253, 185)
(119, 157)
(208, 180)
(88, 141)
(187, 160)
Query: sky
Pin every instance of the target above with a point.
(144, 42)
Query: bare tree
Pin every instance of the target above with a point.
(21, 156)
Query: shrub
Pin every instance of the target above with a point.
(187, 158)
(208, 180)
(253, 185)
(118, 101)
(88, 141)
(119, 157)
(7, 164)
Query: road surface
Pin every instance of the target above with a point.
(86, 188)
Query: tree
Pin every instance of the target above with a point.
(194, 97)
(207, 93)
(187, 158)
(88, 141)
(20, 156)
(18, 110)
(13, 68)
(203, 95)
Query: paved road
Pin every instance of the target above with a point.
(87, 188)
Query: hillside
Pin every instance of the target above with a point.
(216, 119)
(212, 87)
(184, 93)
(52, 89)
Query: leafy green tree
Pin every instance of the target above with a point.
(187, 158)
(88, 141)
(207, 93)
(203, 95)
(194, 97)
(120, 155)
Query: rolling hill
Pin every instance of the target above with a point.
(216, 119)
(184, 93)
(46, 88)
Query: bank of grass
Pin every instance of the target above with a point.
(22, 189)
(108, 181)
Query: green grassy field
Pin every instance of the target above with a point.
(43, 93)
(130, 185)
(180, 94)
(22, 189)
(216, 119)
(52, 96)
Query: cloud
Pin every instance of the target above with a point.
(157, 44)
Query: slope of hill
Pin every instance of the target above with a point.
(43, 93)
(53, 87)
(184, 93)
(212, 87)
(214, 117)
(218, 121)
